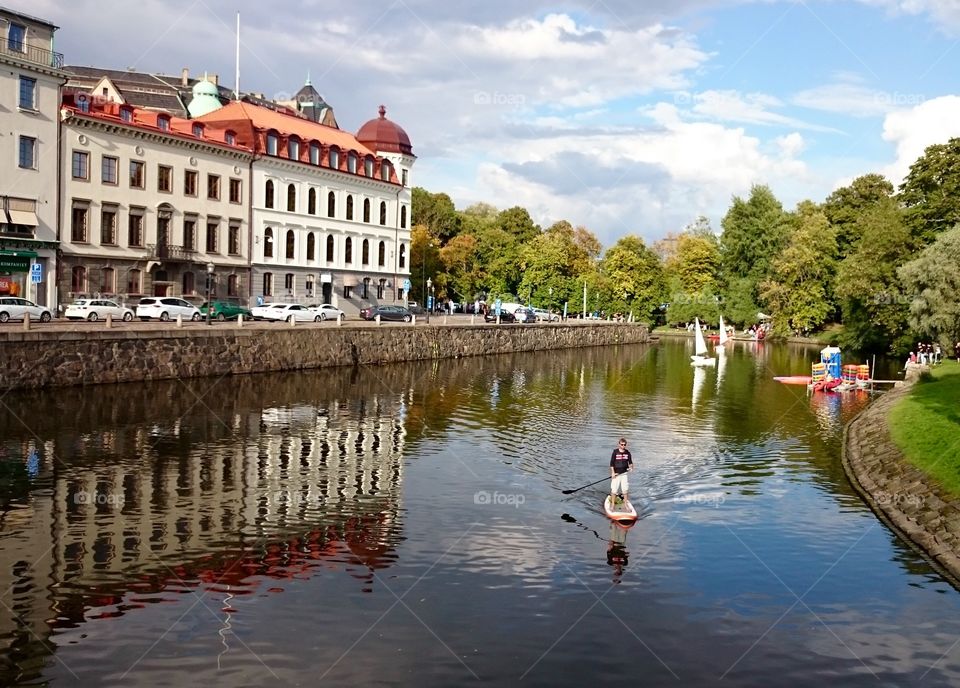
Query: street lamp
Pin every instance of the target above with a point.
(210, 268)
(428, 298)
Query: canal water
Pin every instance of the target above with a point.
(405, 526)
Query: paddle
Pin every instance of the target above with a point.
(580, 488)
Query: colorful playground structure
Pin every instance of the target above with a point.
(830, 375)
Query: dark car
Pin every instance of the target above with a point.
(505, 316)
(226, 310)
(398, 313)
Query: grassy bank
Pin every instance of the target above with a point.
(926, 425)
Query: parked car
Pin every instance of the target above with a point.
(505, 316)
(262, 312)
(97, 309)
(166, 308)
(386, 312)
(326, 311)
(14, 308)
(525, 315)
(287, 312)
(416, 309)
(545, 315)
(225, 310)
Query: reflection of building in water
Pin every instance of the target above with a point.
(286, 489)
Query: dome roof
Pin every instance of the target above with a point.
(206, 99)
(383, 135)
(205, 88)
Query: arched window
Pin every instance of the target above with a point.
(382, 254)
(312, 201)
(365, 252)
(311, 245)
(330, 247)
(273, 141)
(383, 212)
(348, 251)
(293, 148)
(403, 255)
(368, 166)
(366, 210)
(189, 284)
(352, 162)
(134, 282)
(268, 194)
(349, 207)
(108, 284)
(291, 198)
(314, 153)
(334, 158)
(233, 286)
(268, 243)
(331, 204)
(385, 169)
(403, 217)
(78, 279)
(291, 244)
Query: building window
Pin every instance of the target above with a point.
(16, 38)
(189, 284)
(366, 210)
(288, 281)
(268, 243)
(163, 123)
(403, 217)
(233, 286)
(352, 163)
(291, 198)
(135, 227)
(80, 165)
(231, 139)
(368, 168)
(365, 252)
(164, 178)
(380, 288)
(190, 183)
(268, 284)
(108, 225)
(333, 158)
(314, 154)
(189, 234)
(347, 291)
(382, 254)
(272, 143)
(311, 246)
(312, 201)
(109, 170)
(366, 287)
(308, 286)
(136, 174)
(108, 284)
(213, 187)
(27, 156)
(198, 130)
(383, 213)
(78, 223)
(268, 194)
(233, 240)
(126, 115)
(293, 148)
(331, 204)
(349, 207)
(78, 279)
(291, 244)
(134, 282)
(385, 169)
(404, 182)
(212, 226)
(348, 251)
(163, 229)
(236, 191)
(330, 249)
(403, 256)
(28, 93)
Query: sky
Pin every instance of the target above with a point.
(624, 116)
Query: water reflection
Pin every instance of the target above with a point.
(617, 555)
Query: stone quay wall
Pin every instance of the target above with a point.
(904, 497)
(37, 358)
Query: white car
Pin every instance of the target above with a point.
(546, 316)
(287, 312)
(14, 308)
(166, 308)
(97, 309)
(326, 311)
(263, 312)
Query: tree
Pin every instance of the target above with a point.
(692, 274)
(424, 262)
(848, 203)
(631, 279)
(460, 260)
(517, 222)
(436, 212)
(930, 193)
(553, 263)
(932, 283)
(797, 290)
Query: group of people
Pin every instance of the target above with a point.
(928, 354)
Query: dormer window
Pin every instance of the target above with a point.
(314, 153)
(126, 114)
(368, 167)
(293, 148)
(163, 123)
(334, 158)
(198, 130)
(385, 168)
(273, 142)
(230, 138)
(352, 163)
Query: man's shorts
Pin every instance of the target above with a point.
(619, 484)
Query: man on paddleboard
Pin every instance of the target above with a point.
(621, 463)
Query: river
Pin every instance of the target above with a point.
(405, 525)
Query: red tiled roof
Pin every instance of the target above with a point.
(383, 135)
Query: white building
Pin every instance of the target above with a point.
(30, 79)
(150, 200)
(330, 211)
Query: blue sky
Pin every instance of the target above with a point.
(623, 117)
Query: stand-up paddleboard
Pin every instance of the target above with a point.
(625, 515)
(794, 379)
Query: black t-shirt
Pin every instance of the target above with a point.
(621, 460)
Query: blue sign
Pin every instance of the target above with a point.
(496, 306)
(406, 285)
(36, 273)
(430, 303)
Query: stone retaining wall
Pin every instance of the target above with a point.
(59, 358)
(903, 496)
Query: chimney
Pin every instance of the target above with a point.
(185, 76)
(214, 79)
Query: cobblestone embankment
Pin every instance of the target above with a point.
(903, 496)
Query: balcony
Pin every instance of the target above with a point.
(172, 254)
(23, 50)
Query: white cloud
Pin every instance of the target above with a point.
(749, 108)
(946, 13)
(856, 100)
(911, 131)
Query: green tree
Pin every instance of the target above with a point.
(631, 279)
(932, 283)
(436, 212)
(425, 262)
(517, 222)
(930, 193)
(552, 264)
(847, 204)
(797, 290)
(692, 274)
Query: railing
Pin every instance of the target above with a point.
(168, 252)
(31, 53)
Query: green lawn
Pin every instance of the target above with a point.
(926, 426)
